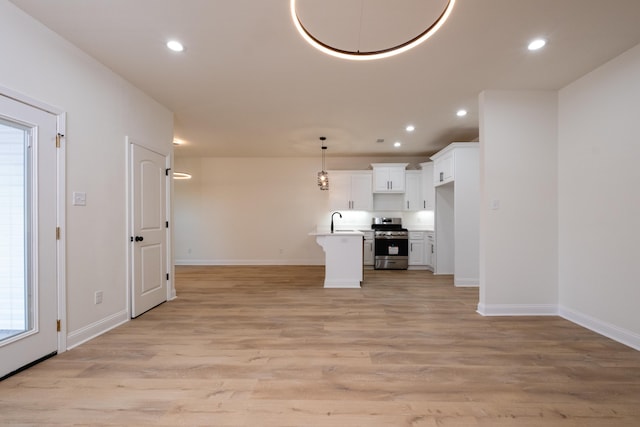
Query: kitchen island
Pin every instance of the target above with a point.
(343, 258)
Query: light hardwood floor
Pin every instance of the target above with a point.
(268, 346)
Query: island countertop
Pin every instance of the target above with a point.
(336, 233)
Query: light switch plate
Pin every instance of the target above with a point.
(79, 198)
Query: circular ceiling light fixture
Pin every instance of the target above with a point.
(357, 55)
(461, 113)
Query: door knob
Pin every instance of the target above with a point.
(139, 238)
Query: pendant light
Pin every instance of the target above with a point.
(323, 175)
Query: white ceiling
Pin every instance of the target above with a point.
(248, 85)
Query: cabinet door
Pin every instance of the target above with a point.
(339, 191)
(361, 195)
(416, 252)
(413, 194)
(397, 179)
(428, 190)
(429, 249)
(389, 179)
(381, 179)
(444, 169)
(368, 258)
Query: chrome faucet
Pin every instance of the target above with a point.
(332, 219)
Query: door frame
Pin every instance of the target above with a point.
(61, 251)
(171, 293)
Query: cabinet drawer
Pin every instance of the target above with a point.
(416, 235)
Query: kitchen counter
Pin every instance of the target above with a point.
(343, 257)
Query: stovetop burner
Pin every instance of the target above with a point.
(383, 223)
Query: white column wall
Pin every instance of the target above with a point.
(518, 239)
(599, 210)
(467, 219)
(101, 110)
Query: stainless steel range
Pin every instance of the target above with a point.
(390, 244)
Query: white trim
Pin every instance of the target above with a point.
(609, 330)
(248, 262)
(62, 223)
(61, 177)
(517, 309)
(342, 283)
(171, 292)
(128, 225)
(95, 329)
(24, 99)
(466, 282)
(171, 287)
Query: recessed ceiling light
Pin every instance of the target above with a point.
(461, 113)
(175, 46)
(397, 144)
(537, 44)
(410, 128)
(177, 141)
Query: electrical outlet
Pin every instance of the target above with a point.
(98, 297)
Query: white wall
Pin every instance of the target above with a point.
(599, 189)
(260, 210)
(102, 109)
(467, 218)
(518, 241)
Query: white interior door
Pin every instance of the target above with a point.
(28, 226)
(149, 229)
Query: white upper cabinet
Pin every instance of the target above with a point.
(413, 200)
(443, 167)
(350, 190)
(428, 190)
(389, 177)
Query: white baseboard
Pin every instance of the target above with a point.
(91, 331)
(342, 284)
(517, 309)
(463, 282)
(614, 332)
(248, 262)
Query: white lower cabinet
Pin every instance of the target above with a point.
(417, 248)
(422, 249)
(368, 255)
(430, 248)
